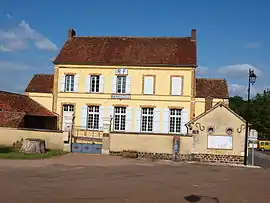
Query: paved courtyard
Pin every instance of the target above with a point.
(89, 178)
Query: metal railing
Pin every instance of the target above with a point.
(85, 134)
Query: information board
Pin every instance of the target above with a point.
(220, 142)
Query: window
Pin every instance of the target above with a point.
(147, 119)
(69, 83)
(120, 118)
(93, 118)
(68, 108)
(175, 120)
(266, 143)
(94, 83)
(148, 84)
(121, 84)
(176, 88)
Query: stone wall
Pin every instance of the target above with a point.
(215, 158)
(203, 158)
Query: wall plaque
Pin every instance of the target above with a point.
(121, 71)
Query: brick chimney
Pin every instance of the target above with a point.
(71, 34)
(193, 35)
(208, 103)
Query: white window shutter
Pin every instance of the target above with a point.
(165, 120)
(83, 117)
(184, 120)
(114, 78)
(62, 83)
(148, 85)
(110, 115)
(101, 115)
(128, 85)
(87, 83)
(101, 84)
(156, 124)
(76, 83)
(176, 86)
(129, 119)
(137, 127)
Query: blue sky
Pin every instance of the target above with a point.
(232, 36)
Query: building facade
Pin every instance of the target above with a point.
(143, 84)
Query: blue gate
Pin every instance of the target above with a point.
(87, 145)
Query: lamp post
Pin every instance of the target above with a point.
(251, 80)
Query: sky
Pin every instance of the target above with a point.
(232, 36)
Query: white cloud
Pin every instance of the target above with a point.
(4, 49)
(253, 45)
(202, 70)
(19, 38)
(12, 66)
(238, 70)
(241, 90)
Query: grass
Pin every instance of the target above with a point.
(12, 153)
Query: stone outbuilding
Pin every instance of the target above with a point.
(218, 136)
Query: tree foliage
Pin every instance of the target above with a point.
(257, 112)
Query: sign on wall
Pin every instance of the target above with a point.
(121, 71)
(220, 142)
(120, 96)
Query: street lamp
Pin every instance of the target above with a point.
(251, 80)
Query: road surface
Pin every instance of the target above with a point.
(260, 159)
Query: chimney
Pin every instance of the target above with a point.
(71, 34)
(208, 103)
(193, 35)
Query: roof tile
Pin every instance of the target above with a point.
(41, 83)
(12, 102)
(209, 87)
(11, 119)
(137, 51)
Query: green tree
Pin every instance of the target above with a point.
(238, 105)
(258, 112)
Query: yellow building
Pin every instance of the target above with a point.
(145, 84)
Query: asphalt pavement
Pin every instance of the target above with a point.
(261, 159)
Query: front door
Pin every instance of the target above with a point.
(67, 120)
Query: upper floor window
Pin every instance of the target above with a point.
(148, 84)
(147, 119)
(121, 84)
(93, 118)
(69, 83)
(120, 118)
(176, 85)
(94, 83)
(175, 120)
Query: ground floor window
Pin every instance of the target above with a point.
(120, 118)
(175, 120)
(147, 119)
(93, 117)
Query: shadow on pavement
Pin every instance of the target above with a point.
(197, 198)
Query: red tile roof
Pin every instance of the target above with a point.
(11, 119)
(12, 102)
(137, 51)
(41, 83)
(209, 87)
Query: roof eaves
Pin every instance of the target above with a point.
(146, 65)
